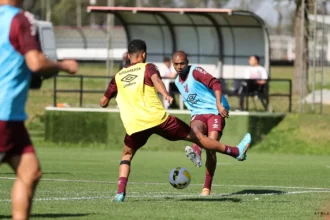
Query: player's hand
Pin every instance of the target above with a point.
(69, 66)
(223, 112)
(169, 99)
(104, 102)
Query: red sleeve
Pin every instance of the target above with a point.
(151, 69)
(207, 79)
(23, 35)
(112, 89)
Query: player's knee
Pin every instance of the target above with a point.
(198, 134)
(31, 177)
(128, 154)
(35, 176)
(194, 136)
(38, 176)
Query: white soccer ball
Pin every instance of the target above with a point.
(179, 178)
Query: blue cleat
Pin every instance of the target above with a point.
(119, 197)
(243, 147)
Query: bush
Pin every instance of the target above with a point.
(106, 129)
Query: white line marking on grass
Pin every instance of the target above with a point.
(196, 184)
(173, 195)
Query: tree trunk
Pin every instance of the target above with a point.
(301, 64)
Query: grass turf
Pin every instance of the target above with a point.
(299, 134)
(263, 187)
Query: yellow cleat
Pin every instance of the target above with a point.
(205, 192)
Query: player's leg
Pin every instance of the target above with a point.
(210, 164)
(28, 174)
(215, 125)
(175, 129)
(19, 153)
(124, 171)
(238, 152)
(194, 153)
(132, 144)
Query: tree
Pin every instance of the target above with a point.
(300, 82)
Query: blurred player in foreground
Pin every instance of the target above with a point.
(20, 55)
(143, 114)
(202, 95)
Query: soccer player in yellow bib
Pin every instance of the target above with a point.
(136, 89)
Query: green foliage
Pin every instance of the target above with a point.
(103, 129)
(77, 128)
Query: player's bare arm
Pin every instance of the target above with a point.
(109, 93)
(36, 61)
(39, 64)
(159, 85)
(222, 111)
(104, 102)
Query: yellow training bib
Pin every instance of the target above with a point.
(139, 104)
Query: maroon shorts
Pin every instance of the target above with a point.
(173, 129)
(14, 139)
(211, 121)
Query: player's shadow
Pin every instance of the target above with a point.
(205, 199)
(50, 215)
(227, 197)
(258, 192)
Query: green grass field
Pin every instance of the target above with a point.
(79, 184)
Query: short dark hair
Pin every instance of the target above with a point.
(256, 57)
(136, 46)
(167, 59)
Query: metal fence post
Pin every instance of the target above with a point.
(81, 91)
(290, 95)
(54, 92)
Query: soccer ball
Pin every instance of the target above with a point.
(179, 178)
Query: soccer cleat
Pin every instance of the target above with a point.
(193, 156)
(243, 147)
(119, 197)
(206, 192)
